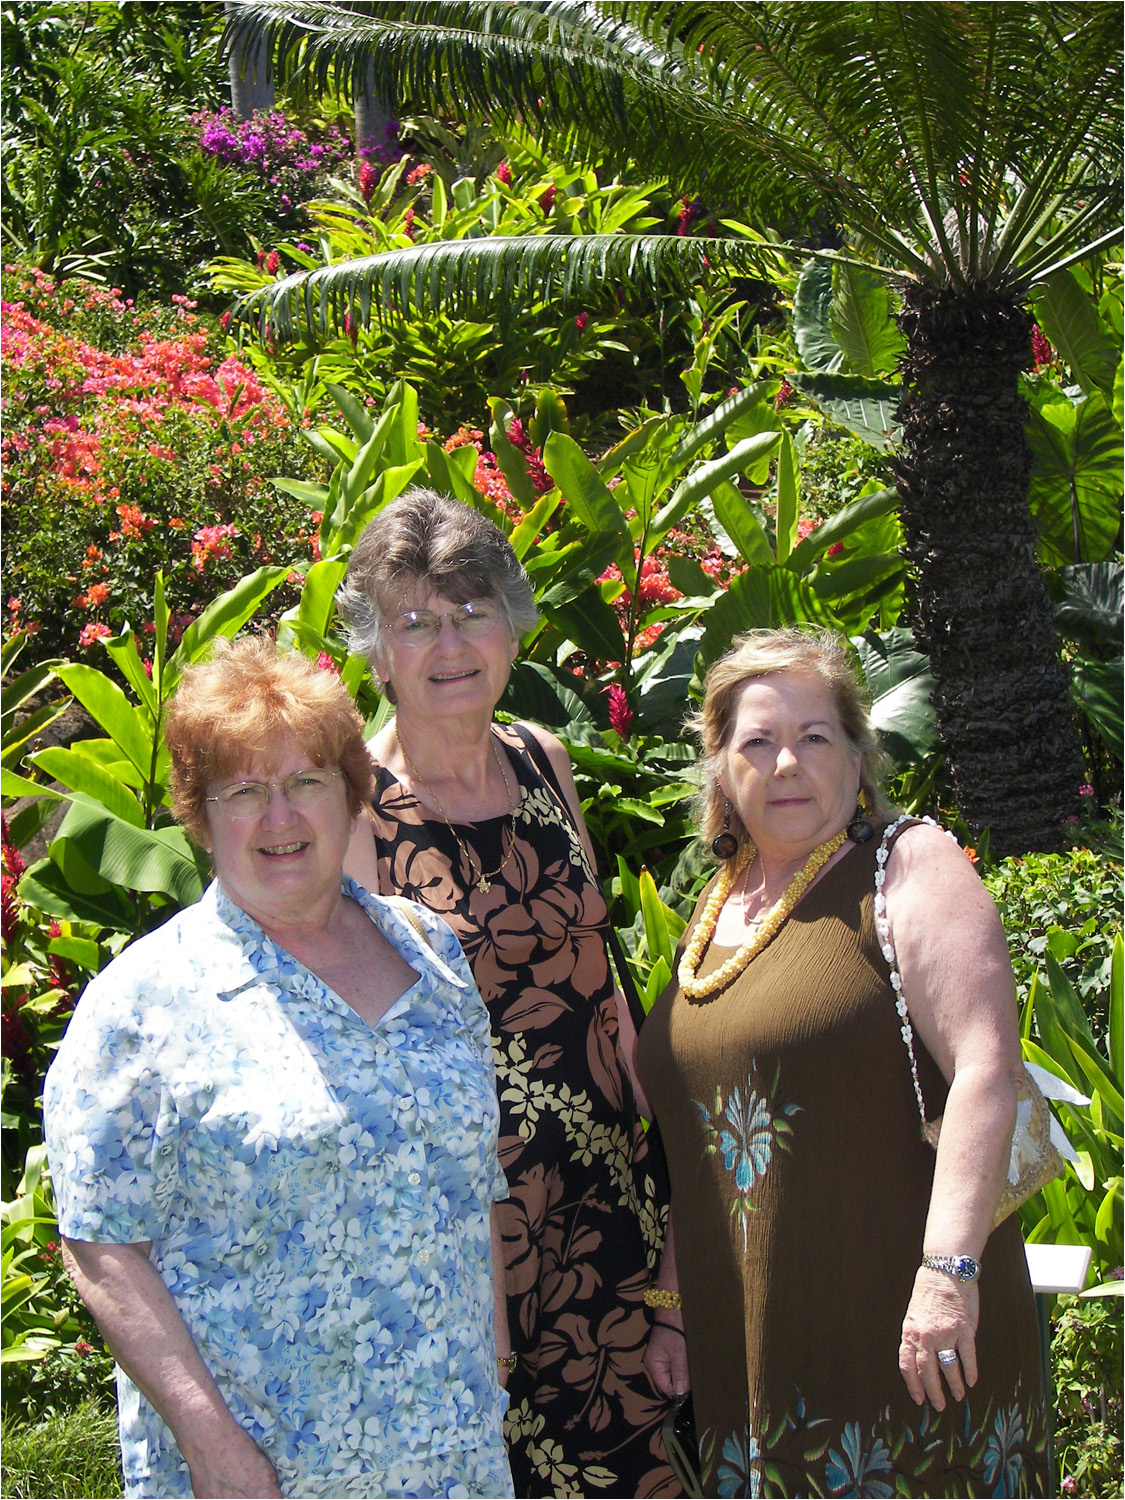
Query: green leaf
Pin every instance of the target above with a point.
(131, 731)
(318, 597)
(788, 482)
(589, 499)
(864, 407)
(14, 785)
(224, 616)
(159, 861)
(591, 624)
(1075, 496)
(537, 693)
(901, 687)
(1068, 316)
(123, 649)
(862, 323)
(353, 411)
(512, 463)
(703, 480)
(315, 496)
(812, 309)
(735, 515)
(837, 528)
(81, 774)
(46, 887)
(761, 597)
(82, 951)
(1097, 689)
(658, 936)
(447, 476)
(742, 415)
(1088, 606)
(524, 536)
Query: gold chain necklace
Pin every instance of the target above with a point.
(483, 878)
(766, 929)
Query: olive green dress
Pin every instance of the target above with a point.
(800, 1186)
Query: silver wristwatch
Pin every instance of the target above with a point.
(960, 1267)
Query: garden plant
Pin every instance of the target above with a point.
(471, 306)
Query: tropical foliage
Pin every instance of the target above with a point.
(927, 130)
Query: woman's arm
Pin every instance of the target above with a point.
(555, 751)
(666, 1355)
(150, 1341)
(499, 1294)
(957, 979)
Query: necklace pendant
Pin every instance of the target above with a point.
(484, 885)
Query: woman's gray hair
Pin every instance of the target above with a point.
(762, 653)
(427, 538)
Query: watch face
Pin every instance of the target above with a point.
(965, 1268)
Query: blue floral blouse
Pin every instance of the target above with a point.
(316, 1190)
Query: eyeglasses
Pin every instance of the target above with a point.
(249, 799)
(421, 627)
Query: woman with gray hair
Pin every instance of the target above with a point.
(834, 992)
(481, 823)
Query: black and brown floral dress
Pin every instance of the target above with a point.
(583, 1226)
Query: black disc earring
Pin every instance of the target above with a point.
(859, 829)
(724, 845)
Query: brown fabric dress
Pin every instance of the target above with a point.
(583, 1227)
(800, 1186)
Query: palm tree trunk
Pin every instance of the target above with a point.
(983, 612)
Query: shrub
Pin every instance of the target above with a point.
(145, 449)
(1086, 1359)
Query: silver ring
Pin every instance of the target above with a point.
(947, 1356)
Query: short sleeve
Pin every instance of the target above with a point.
(110, 1125)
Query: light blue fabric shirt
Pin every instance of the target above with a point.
(317, 1191)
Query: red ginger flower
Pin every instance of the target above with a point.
(620, 714)
(504, 174)
(1041, 351)
(547, 200)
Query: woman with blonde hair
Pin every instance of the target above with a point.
(834, 1293)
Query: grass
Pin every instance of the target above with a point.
(71, 1457)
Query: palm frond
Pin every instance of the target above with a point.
(486, 275)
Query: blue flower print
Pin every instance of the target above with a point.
(738, 1472)
(746, 1130)
(855, 1472)
(1003, 1460)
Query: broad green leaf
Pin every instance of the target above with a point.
(160, 616)
(550, 416)
(1097, 689)
(1069, 318)
(389, 485)
(224, 616)
(901, 686)
(29, 728)
(588, 497)
(123, 649)
(82, 951)
(788, 498)
(737, 417)
(655, 434)
(448, 476)
(575, 568)
(46, 887)
(736, 516)
(403, 446)
(14, 785)
(658, 935)
(315, 496)
(81, 774)
(354, 412)
(761, 597)
(1076, 487)
(840, 581)
(526, 533)
(1088, 605)
(839, 527)
(591, 624)
(704, 479)
(107, 705)
(26, 685)
(861, 321)
(513, 466)
(318, 597)
(812, 310)
(159, 861)
(862, 406)
(537, 693)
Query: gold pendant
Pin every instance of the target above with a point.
(484, 885)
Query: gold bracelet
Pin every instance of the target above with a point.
(659, 1296)
(507, 1362)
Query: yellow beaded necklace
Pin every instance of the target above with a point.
(766, 929)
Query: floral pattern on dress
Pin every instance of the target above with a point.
(753, 1129)
(583, 1225)
(317, 1191)
(800, 1456)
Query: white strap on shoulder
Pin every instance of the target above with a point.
(886, 943)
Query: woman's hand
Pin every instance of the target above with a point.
(666, 1356)
(235, 1468)
(942, 1315)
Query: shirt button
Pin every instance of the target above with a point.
(414, 1179)
(431, 1324)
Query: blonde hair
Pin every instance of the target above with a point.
(764, 653)
(231, 710)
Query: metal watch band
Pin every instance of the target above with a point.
(960, 1267)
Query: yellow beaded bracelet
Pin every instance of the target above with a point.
(507, 1362)
(659, 1296)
